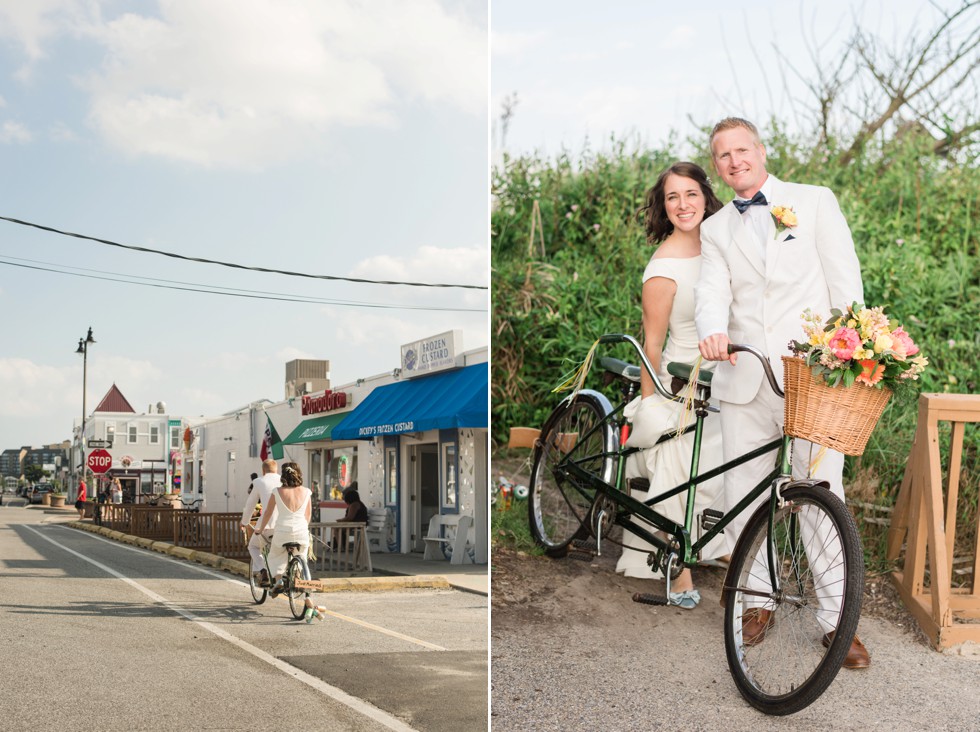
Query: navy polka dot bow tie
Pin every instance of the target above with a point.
(757, 200)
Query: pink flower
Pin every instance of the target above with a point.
(844, 342)
(596, 227)
(574, 207)
(902, 344)
(871, 372)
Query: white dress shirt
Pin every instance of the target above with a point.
(758, 219)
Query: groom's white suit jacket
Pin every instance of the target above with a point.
(758, 301)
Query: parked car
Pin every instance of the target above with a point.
(38, 491)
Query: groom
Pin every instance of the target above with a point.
(758, 275)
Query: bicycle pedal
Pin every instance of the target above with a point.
(648, 599)
(638, 485)
(584, 549)
(710, 517)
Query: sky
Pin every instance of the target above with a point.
(640, 70)
(328, 137)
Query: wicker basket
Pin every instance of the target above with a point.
(841, 418)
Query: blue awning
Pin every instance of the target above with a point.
(449, 400)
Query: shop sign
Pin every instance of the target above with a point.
(429, 355)
(386, 429)
(326, 402)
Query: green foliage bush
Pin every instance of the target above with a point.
(913, 216)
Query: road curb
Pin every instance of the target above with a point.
(386, 583)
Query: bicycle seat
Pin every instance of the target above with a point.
(620, 368)
(683, 371)
(291, 545)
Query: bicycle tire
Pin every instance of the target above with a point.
(788, 667)
(259, 593)
(559, 503)
(297, 597)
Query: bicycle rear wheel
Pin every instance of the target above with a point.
(297, 597)
(577, 434)
(819, 568)
(258, 592)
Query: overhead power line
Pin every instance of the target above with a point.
(226, 291)
(233, 265)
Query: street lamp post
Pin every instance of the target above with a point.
(83, 349)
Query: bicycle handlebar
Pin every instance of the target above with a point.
(732, 348)
(736, 348)
(623, 338)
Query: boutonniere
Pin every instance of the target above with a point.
(785, 218)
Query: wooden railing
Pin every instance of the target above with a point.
(217, 533)
(340, 546)
(924, 524)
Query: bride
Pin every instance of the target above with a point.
(675, 207)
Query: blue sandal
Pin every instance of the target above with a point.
(687, 600)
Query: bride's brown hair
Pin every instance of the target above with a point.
(292, 476)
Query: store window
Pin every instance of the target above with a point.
(341, 471)
(449, 468)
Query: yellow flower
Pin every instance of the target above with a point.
(784, 217)
(883, 342)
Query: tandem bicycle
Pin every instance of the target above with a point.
(799, 557)
(296, 572)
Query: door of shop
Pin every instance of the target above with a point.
(129, 485)
(425, 462)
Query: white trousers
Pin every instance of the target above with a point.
(255, 545)
(748, 426)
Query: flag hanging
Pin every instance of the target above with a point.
(271, 443)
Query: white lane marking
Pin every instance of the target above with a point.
(358, 705)
(379, 629)
(240, 583)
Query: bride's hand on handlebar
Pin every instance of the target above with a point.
(715, 348)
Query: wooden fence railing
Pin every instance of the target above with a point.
(924, 524)
(217, 533)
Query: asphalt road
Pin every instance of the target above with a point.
(99, 635)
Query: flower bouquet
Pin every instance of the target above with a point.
(840, 378)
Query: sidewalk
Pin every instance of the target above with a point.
(391, 571)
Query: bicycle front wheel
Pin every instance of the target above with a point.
(258, 592)
(786, 645)
(297, 597)
(576, 435)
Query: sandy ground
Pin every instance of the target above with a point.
(571, 650)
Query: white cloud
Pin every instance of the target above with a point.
(14, 132)
(682, 36)
(222, 84)
(30, 389)
(459, 265)
(515, 43)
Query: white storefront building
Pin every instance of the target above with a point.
(414, 441)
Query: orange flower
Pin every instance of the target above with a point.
(871, 372)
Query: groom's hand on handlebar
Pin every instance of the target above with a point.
(715, 348)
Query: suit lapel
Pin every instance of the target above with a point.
(744, 239)
(777, 242)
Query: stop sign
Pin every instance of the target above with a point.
(99, 461)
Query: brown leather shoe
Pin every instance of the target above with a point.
(755, 623)
(857, 654)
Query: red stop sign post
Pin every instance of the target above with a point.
(99, 461)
